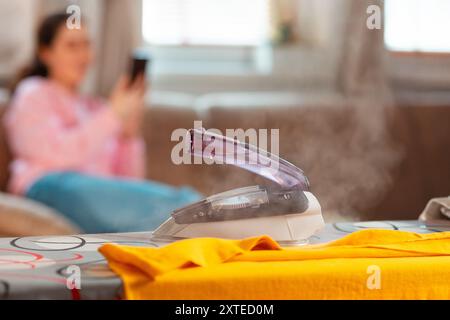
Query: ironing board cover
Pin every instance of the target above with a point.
(41, 267)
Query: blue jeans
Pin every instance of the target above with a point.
(99, 205)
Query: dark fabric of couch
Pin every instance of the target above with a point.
(5, 155)
(391, 178)
(424, 172)
(393, 181)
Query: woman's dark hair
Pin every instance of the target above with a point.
(46, 34)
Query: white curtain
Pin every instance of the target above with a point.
(118, 34)
(362, 75)
(363, 56)
(363, 80)
(347, 150)
(17, 21)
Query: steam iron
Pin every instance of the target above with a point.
(284, 210)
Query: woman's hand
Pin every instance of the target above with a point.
(127, 102)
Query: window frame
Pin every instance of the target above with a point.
(418, 54)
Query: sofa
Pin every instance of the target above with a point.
(357, 172)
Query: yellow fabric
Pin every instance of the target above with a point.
(368, 264)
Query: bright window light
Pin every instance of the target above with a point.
(205, 22)
(417, 25)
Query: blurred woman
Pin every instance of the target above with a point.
(83, 156)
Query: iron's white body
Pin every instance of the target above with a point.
(290, 228)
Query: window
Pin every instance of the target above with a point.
(205, 22)
(417, 25)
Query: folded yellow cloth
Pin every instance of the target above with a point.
(368, 264)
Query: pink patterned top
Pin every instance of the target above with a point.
(51, 129)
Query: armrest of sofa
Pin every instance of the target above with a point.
(24, 217)
(5, 156)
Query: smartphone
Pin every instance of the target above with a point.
(138, 65)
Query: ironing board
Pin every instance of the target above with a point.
(38, 267)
